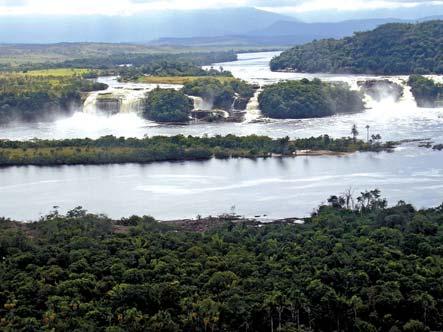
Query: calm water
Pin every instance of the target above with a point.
(273, 187)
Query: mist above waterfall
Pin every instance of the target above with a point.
(121, 97)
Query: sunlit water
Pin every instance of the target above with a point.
(274, 187)
(277, 188)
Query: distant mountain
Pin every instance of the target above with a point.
(288, 33)
(136, 28)
(282, 33)
(321, 30)
(234, 41)
(395, 48)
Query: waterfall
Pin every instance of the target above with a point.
(200, 104)
(89, 106)
(113, 101)
(133, 102)
(252, 109)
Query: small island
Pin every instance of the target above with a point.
(427, 93)
(114, 150)
(168, 105)
(308, 99)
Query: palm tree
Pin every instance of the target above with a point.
(354, 132)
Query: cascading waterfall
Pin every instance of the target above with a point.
(113, 101)
(252, 109)
(89, 106)
(200, 104)
(133, 102)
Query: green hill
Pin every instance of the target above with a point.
(390, 49)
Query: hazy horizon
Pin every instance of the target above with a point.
(312, 10)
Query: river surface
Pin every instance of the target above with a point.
(271, 188)
(277, 188)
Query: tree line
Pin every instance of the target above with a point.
(354, 265)
(110, 149)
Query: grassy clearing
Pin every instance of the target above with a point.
(58, 72)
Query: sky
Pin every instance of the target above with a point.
(300, 8)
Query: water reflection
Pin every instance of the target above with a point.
(274, 187)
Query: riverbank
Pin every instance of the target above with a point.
(113, 150)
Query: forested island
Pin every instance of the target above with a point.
(355, 265)
(308, 99)
(110, 149)
(391, 49)
(43, 95)
(168, 105)
(427, 93)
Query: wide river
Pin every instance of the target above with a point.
(272, 188)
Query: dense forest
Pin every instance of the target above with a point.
(30, 97)
(308, 99)
(388, 50)
(110, 149)
(168, 105)
(352, 266)
(427, 93)
(171, 69)
(223, 94)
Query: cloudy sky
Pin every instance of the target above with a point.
(307, 8)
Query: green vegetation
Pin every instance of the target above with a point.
(165, 69)
(136, 64)
(62, 72)
(224, 94)
(168, 105)
(42, 95)
(348, 268)
(179, 79)
(427, 93)
(110, 149)
(308, 99)
(27, 55)
(389, 50)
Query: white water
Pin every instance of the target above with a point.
(200, 104)
(253, 112)
(393, 121)
(129, 96)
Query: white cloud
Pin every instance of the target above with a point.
(347, 5)
(128, 7)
